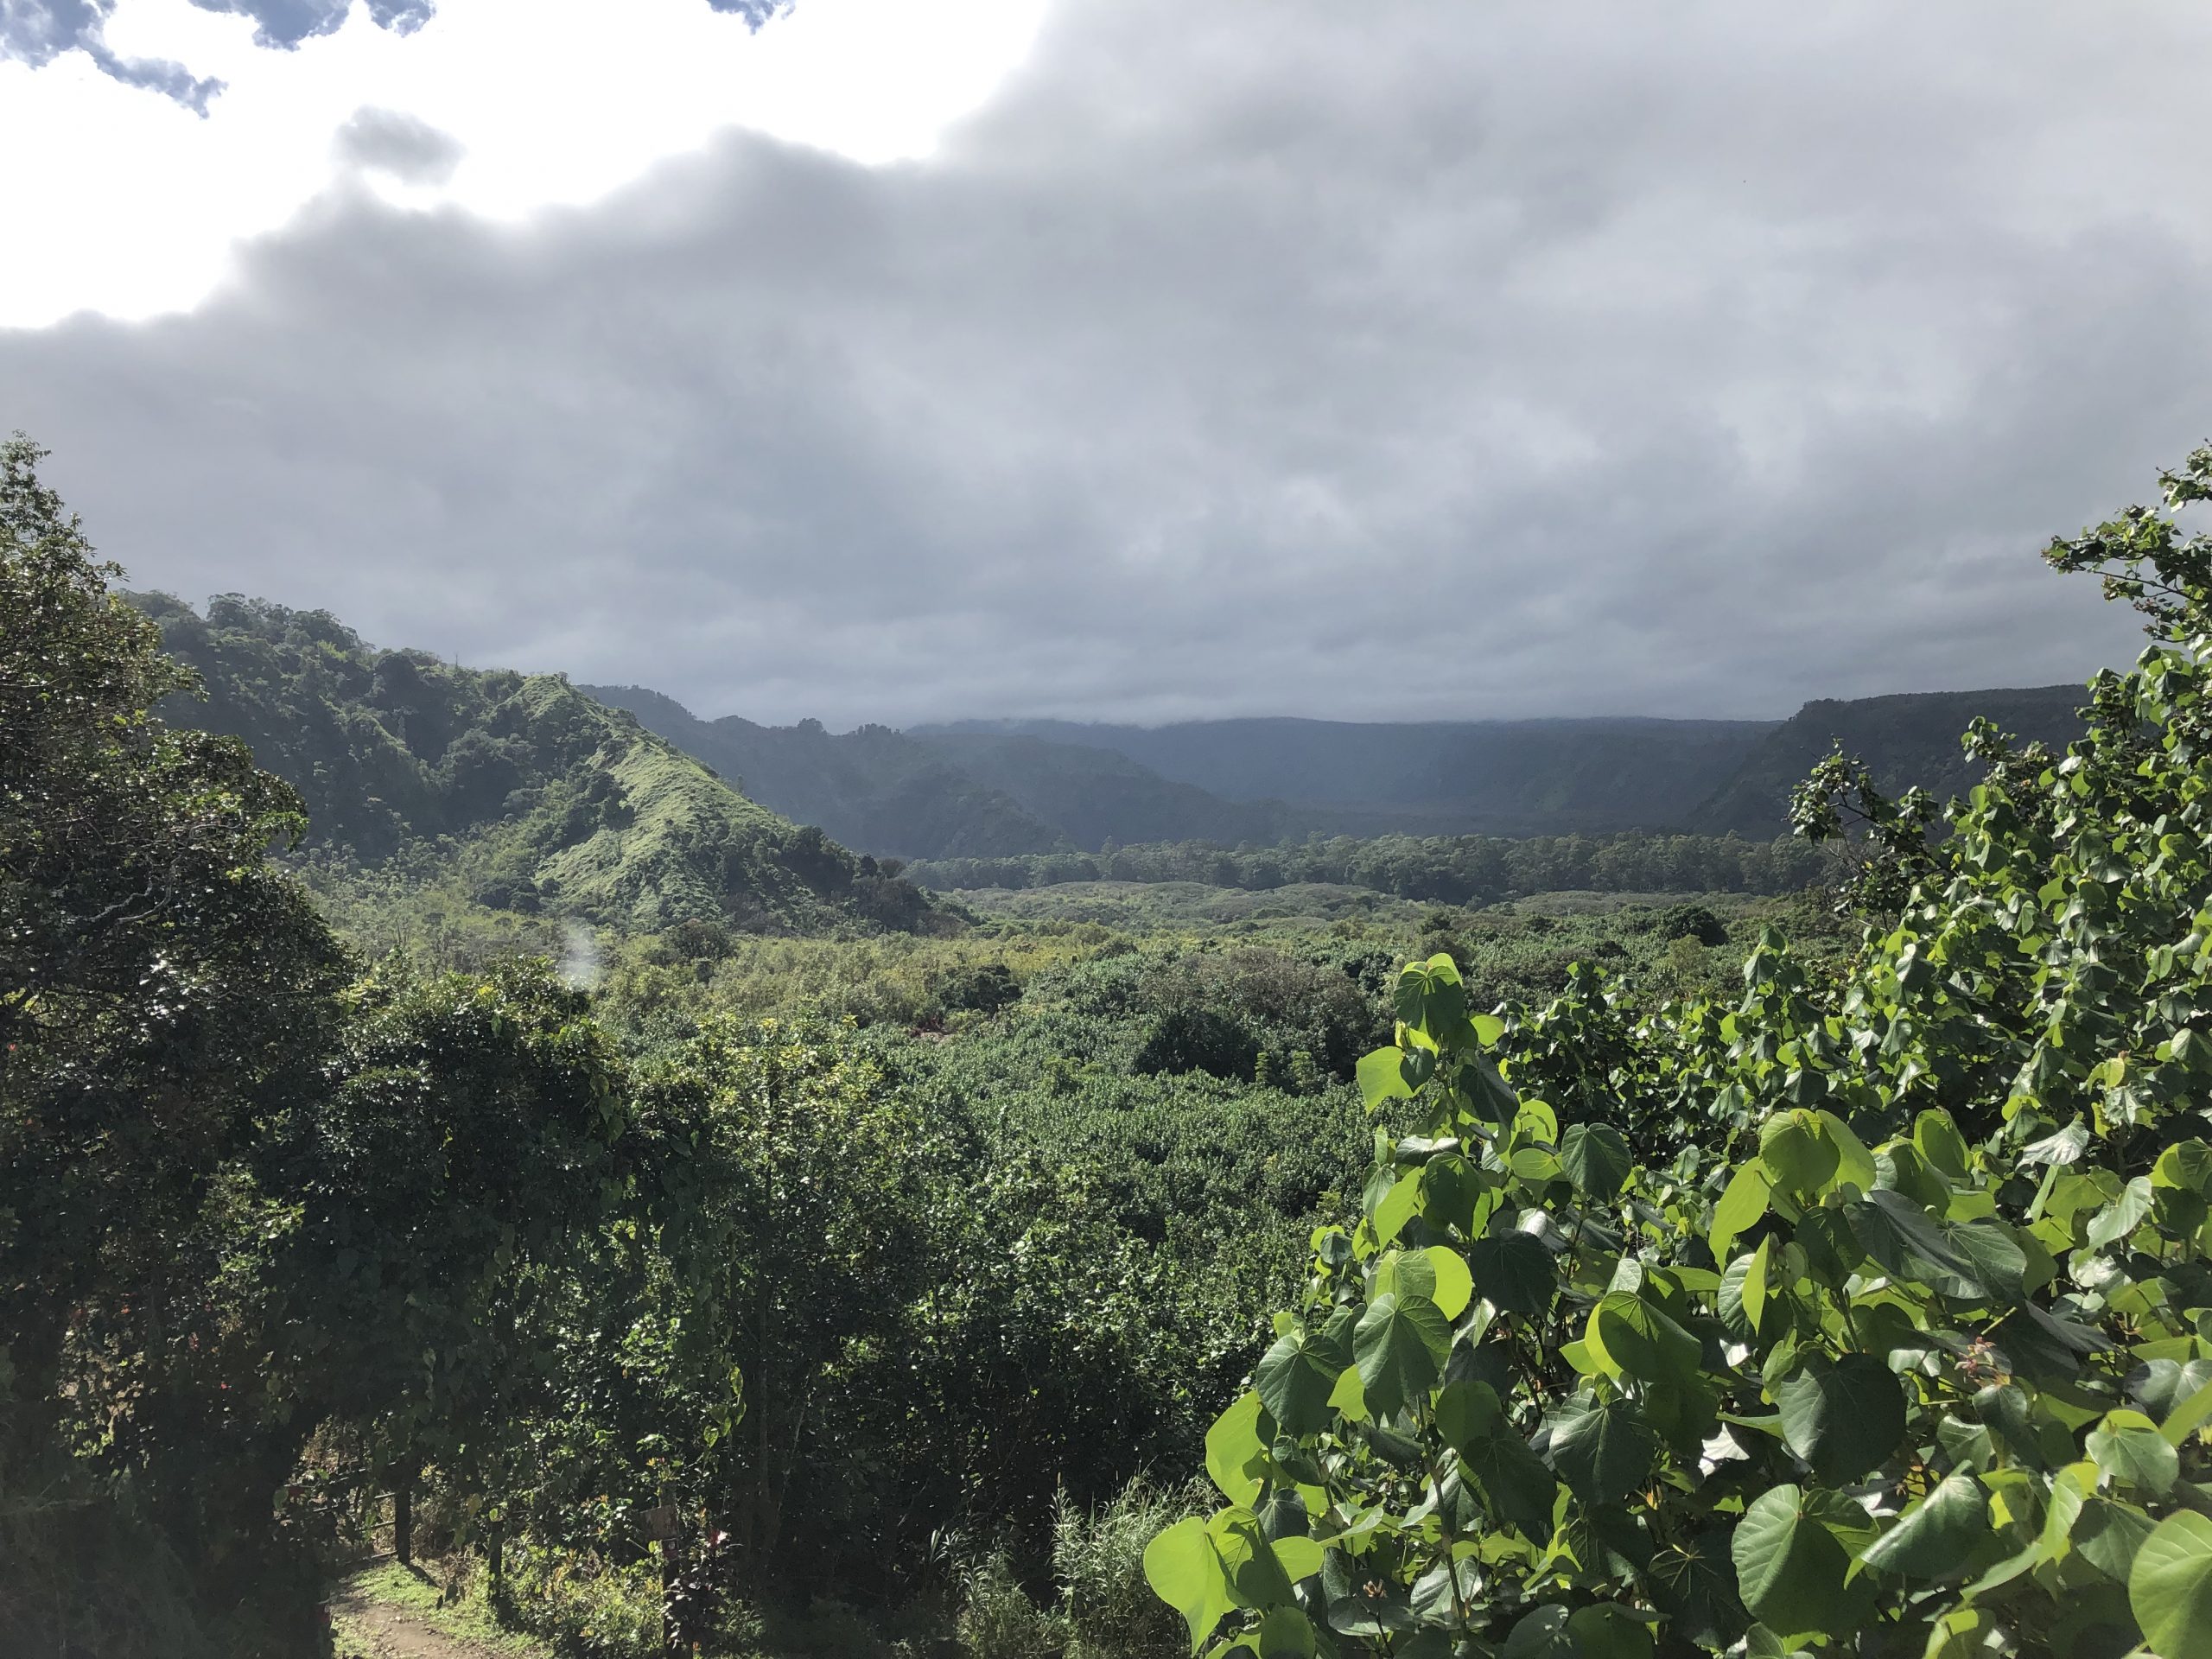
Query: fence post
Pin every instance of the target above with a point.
(403, 1514)
(661, 1524)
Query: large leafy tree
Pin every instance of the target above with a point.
(244, 1195)
(1869, 1311)
(161, 990)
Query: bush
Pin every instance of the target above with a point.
(585, 1606)
(1691, 922)
(1870, 1313)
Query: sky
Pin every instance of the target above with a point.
(1122, 359)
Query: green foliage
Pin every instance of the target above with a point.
(872, 788)
(161, 991)
(997, 1619)
(513, 793)
(1892, 1331)
(1455, 869)
(251, 1206)
(1098, 1565)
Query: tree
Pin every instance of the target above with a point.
(161, 990)
(243, 1194)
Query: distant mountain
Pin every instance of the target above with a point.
(531, 794)
(1094, 794)
(1908, 739)
(874, 789)
(1526, 777)
(951, 794)
(1000, 788)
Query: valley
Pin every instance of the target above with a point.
(608, 1176)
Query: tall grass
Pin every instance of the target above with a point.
(1102, 1607)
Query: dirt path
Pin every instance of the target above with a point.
(369, 1623)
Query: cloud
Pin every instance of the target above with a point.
(36, 32)
(405, 146)
(1267, 357)
(755, 12)
(285, 23)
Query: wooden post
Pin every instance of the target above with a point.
(661, 1525)
(495, 1564)
(403, 1514)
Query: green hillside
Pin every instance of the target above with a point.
(1908, 739)
(875, 788)
(518, 791)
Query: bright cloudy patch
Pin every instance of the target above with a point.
(1263, 357)
(541, 102)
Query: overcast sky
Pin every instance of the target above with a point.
(1124, 359)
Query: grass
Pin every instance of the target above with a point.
(466, 1618)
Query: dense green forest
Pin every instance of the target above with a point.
(1511, 777)
(1673, 1257)
(1452, 870)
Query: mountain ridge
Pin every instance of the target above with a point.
(519, 789)
(554, 793)
(1266, 780)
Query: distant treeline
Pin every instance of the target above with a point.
(1448, 869)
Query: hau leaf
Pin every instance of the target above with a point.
(1399, 1347)
(2170, 1587)
(1185, 1571)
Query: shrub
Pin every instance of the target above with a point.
(1870, 1313)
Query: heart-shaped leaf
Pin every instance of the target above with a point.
(1295, 1378)
(1843, 1417)
(1938, 1534)
(1399, 1347)
(2127, 1447)
(1452, 1287)
(1596, 1158)
(1742, 1204)
(1629, 1337)
(1234, 1452)
(1789, 1568)
(1513, 1272)
(1604, 1451)
(1185, 1571)
(2170, 1587)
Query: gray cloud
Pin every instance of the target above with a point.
(755, 12)
(1403, 360)
(285, 23)
(37, 31)
(394, 142)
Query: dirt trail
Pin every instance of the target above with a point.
(367, 1626)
